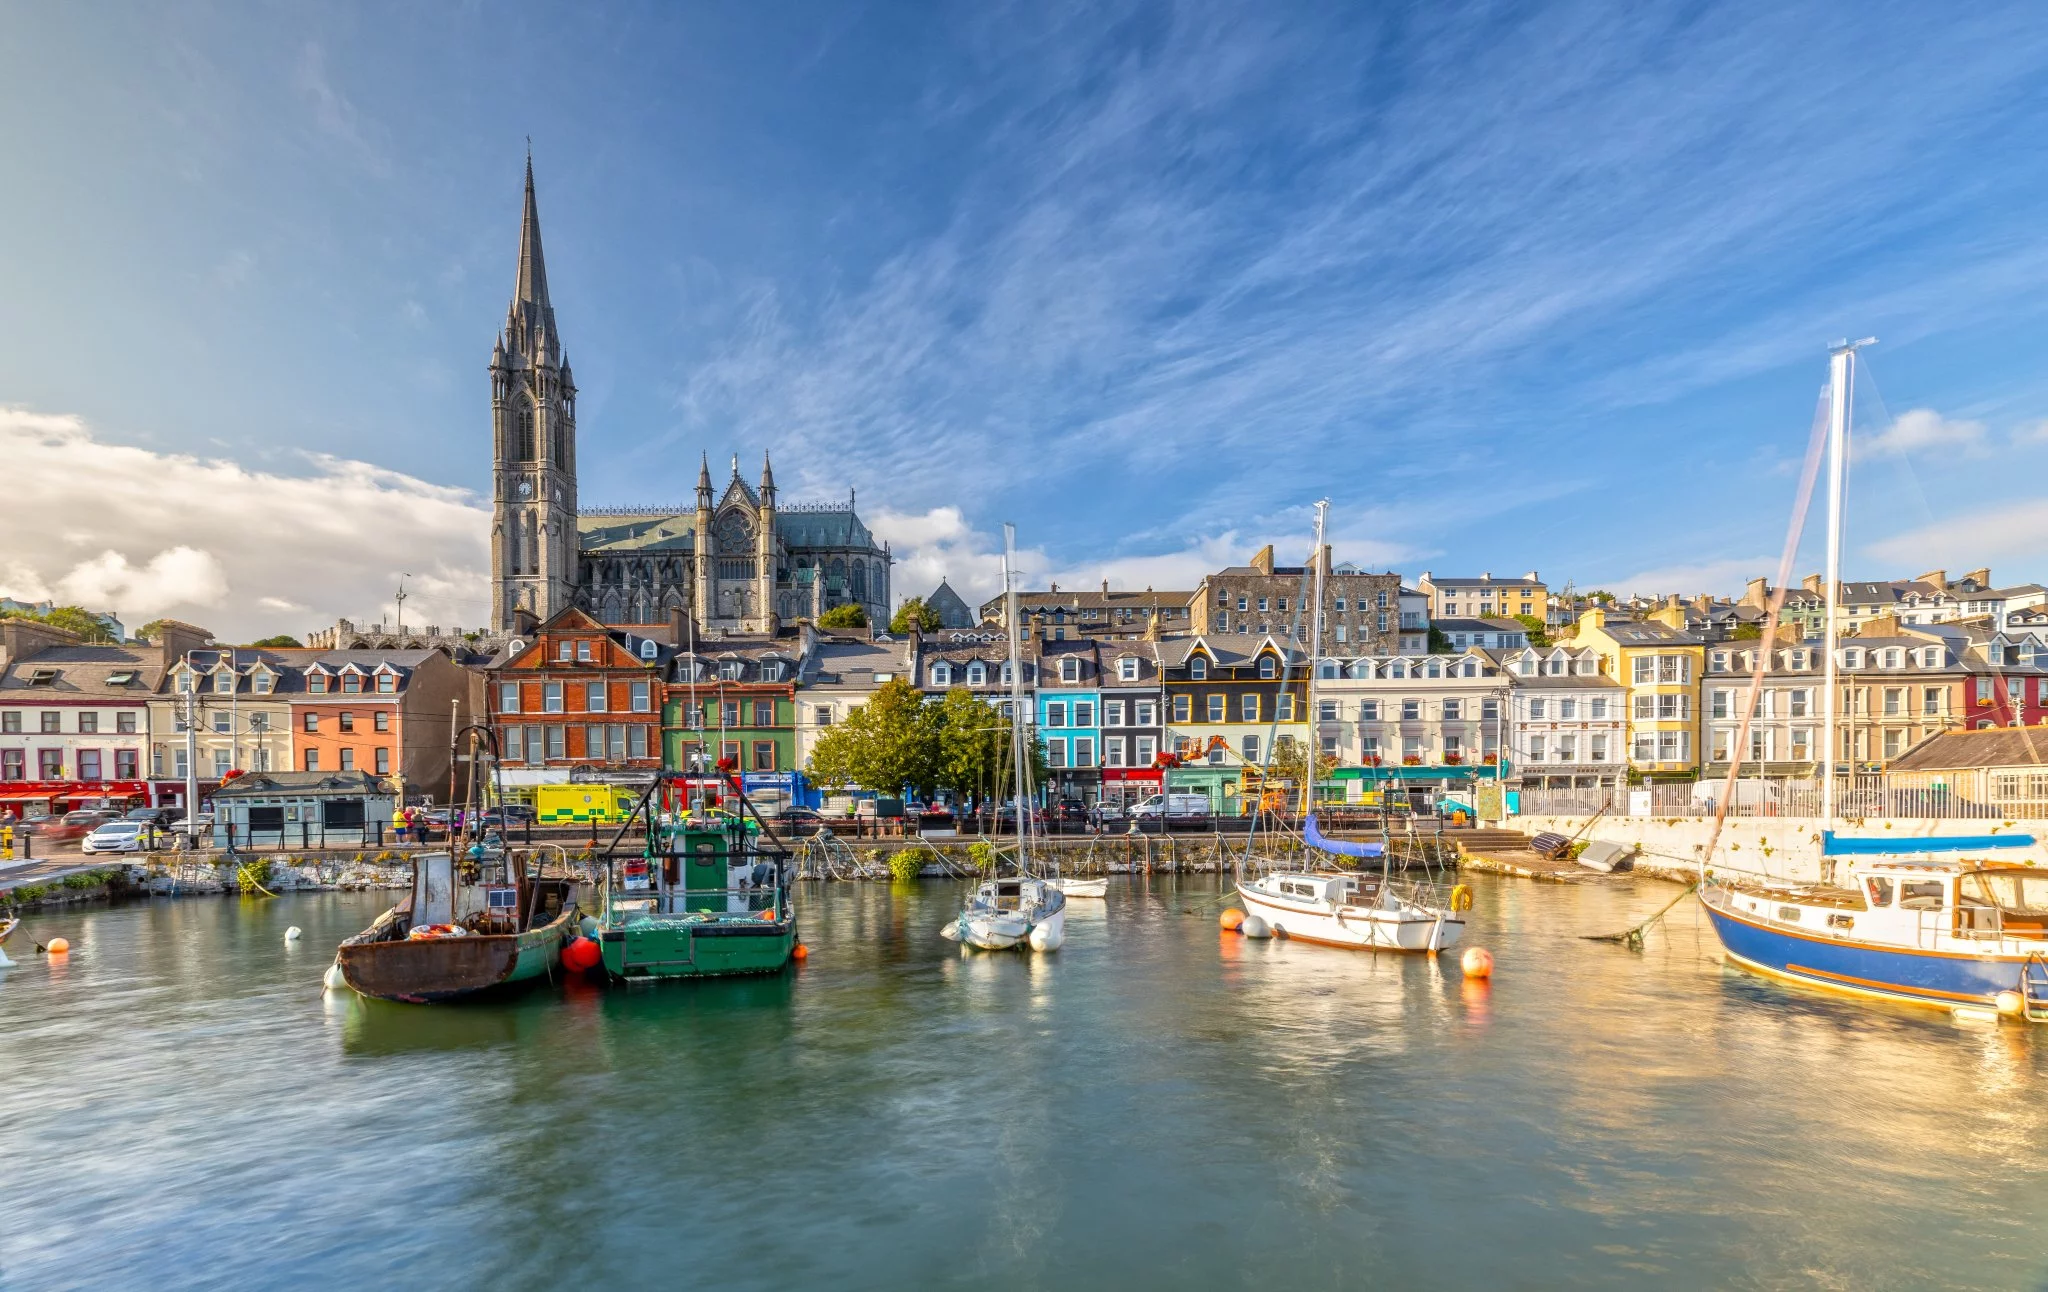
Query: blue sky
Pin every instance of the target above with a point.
(1517, 286)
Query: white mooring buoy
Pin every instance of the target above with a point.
(332, 979)
(292, 934)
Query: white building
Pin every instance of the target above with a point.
(1441, 713)
(1568, 721)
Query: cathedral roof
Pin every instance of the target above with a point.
(819, 528)
(652, 529)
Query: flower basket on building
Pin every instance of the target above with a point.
(1452, 760)
(1411, 760)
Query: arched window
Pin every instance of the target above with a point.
(860, 581)
(1198, 667)
(1267, 667)
(1070, 669)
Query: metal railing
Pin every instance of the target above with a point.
(1920, 796)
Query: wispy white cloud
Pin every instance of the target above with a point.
(2012, 534)
(334, 114)
(243, 552)
(1922, 430)
(1234, 252)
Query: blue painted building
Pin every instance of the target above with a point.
(1069, 712)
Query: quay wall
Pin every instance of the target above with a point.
(1787, 848)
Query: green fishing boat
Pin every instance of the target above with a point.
(704, 899)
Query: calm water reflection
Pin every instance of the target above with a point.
(1159, 1105)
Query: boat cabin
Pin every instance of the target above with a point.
(1915, 902)
(1321, 890)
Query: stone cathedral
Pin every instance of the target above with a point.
(740, 561)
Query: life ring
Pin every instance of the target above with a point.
(1461, 898)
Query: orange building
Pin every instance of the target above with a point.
(384, 712)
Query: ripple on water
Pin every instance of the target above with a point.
(1159, 1104)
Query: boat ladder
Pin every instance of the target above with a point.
(2034, 987)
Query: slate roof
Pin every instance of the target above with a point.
(78, 672)
(1961, 750)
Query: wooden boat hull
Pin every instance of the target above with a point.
(432, 970)
(662, 948)
(1942, 979)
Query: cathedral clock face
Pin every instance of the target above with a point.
(525, 489)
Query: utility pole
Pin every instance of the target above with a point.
(401, 604)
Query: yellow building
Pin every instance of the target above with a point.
(1485, 597)
(1660, 663)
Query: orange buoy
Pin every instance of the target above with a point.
(58, 947)
(769, 915)
(800, 952)
(581, 955)
(1477, 962)
(1233, 918)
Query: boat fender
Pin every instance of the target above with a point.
(581, 955)
(292, 934)
(1255, 927)
(333, 980)
(589, 926)
(1461, 898)
(1045, 937)
(951, 932)
(799, 952)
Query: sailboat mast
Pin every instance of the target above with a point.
(1019, 759)
(1841, 391)
(1315, 654)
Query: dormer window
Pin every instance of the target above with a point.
(977, 674)
(1267, 667)
(942, 674)
(316, 683)
(1198, 668)
(120, 679)
(261, 683)
(223, 683)
(387, 683)
(648, 649)
(1719, 661)
(1894, 657)
(351, 683)
(1070, 669)
(1127, 669)
(1852, 657)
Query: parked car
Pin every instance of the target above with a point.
(76, 825)
(38, 824)
(1180, 807)
(1072, 810)
(119, 836)
(157, 816)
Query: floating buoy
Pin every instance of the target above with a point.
(1048, 937)
(589, 926)
(333, 979)
(799, 952)
(581, 955)
(58, 947)
(1254, 927)
(1233, 919)
(769, 915)
(2010, 1003)
(1477, 962)
(292, 934)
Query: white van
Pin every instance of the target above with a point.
(1177, 806)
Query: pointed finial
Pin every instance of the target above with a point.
(767, 475)
(735, 466)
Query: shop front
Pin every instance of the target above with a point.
(32, 798)
(1220, 784)
(1125, 786)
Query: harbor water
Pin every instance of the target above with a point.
(1158, 1105)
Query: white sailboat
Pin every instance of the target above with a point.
(1346, 908)
(1025, 909)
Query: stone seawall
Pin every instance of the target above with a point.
(1787, 848)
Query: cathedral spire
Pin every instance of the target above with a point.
(767, 479)
(704, 482)
(531, 311)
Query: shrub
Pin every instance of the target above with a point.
(85, 879)
(905, 865)
(31, 893)
(982, 854)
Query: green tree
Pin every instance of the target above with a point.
(885, 745)
(914, 614)
(148, 632)
(1438, 643)
(1746, 633)
(282, 640)
(72, 619)
(846, 616)
(974, 748)
(1539, 632)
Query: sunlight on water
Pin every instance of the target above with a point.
(1158, 1105)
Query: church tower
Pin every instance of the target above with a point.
(533, 431)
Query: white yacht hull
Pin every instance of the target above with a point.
(1360, 928)
(1083, 887)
